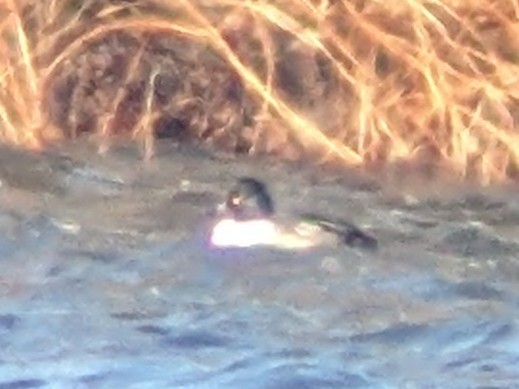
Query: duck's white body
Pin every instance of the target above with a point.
(266, 232)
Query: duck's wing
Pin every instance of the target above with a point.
(348, 233)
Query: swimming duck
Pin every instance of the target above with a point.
(247, 218)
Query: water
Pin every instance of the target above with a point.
(107, 283)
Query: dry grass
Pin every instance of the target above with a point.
(364, 82)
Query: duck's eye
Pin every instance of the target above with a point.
(235, 200)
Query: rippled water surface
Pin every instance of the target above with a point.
(106, 282)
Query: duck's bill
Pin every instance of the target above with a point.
(220, 208)
(257, 232)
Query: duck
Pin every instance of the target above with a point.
(248, 218)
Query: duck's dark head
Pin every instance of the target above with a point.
(249, 198)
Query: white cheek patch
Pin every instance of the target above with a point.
(233, 233)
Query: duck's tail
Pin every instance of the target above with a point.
(349, 234)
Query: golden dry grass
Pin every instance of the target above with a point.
(363, 82)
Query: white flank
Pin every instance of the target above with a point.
(233, 233)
